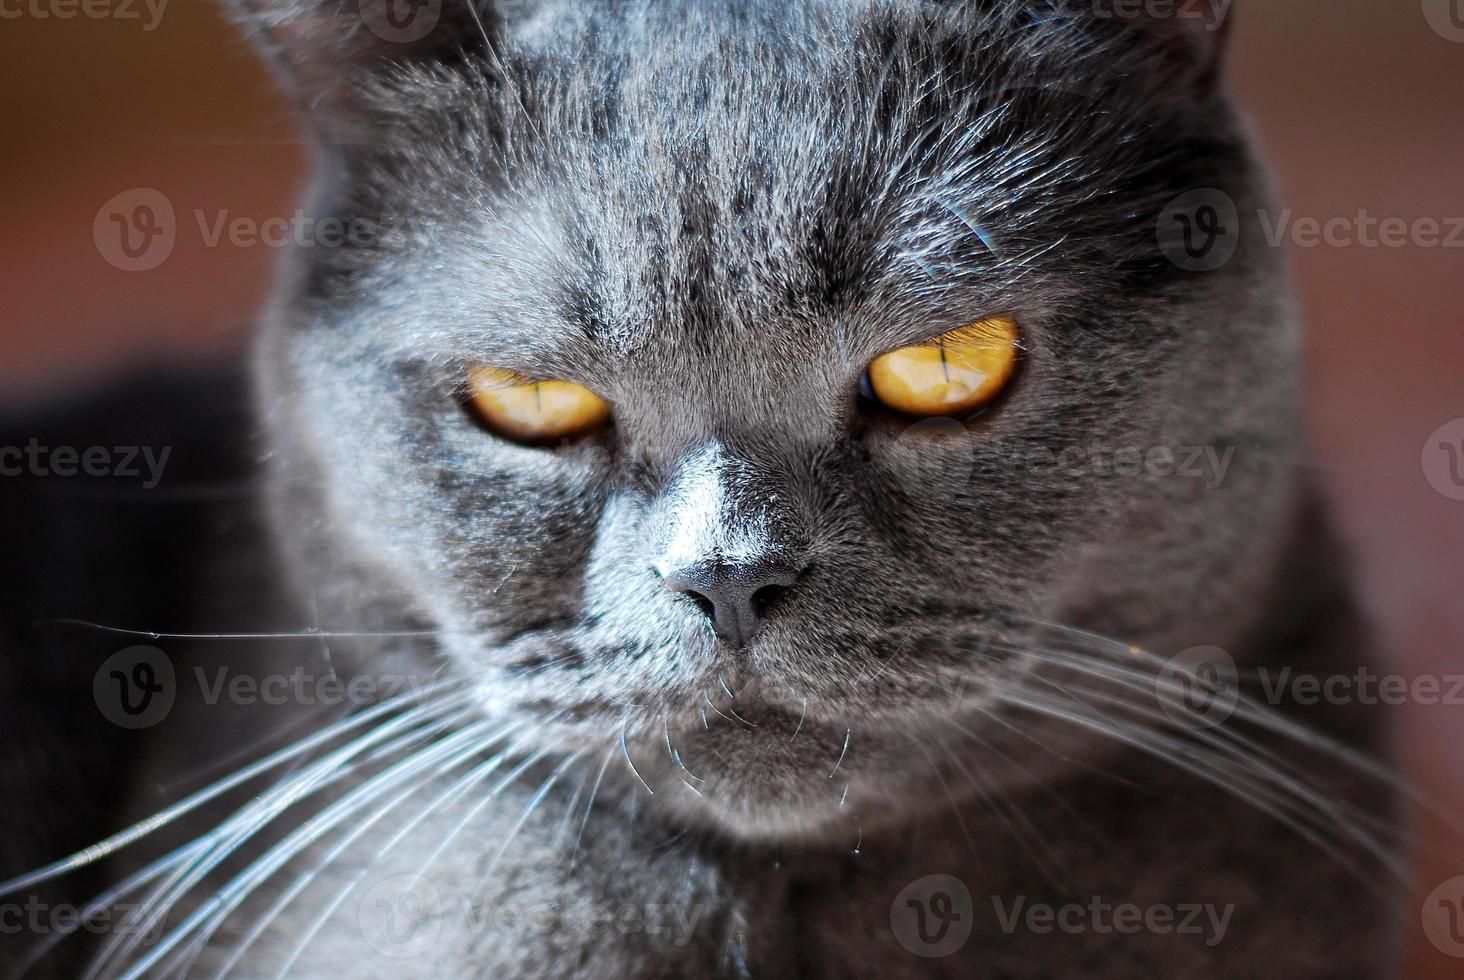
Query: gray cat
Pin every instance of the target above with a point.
(707, 632)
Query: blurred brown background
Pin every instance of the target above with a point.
(1357, 103)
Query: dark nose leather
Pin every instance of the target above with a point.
(736, 596)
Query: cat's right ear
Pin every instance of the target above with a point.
(322, 48)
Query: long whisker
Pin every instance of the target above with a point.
(625, 749)
(1235, 781)
(228, 836)
(590, 806)
(955, 807)
(1245, 708)
(467, 741)
(570, 809)
(107, 899)
(173, 861)
(534, 803)
(454, 791)
(302, 880)
(1115, 655)
(104, 848)
(307, 633)
(1005, 809)
(1258, 759)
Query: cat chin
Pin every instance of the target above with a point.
(773, 778)
(765, 808)
(770, 776)
(803, 808)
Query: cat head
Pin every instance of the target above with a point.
(749, 567)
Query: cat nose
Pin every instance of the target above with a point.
(735, 595)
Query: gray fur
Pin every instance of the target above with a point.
(716, 214)
(724, 228)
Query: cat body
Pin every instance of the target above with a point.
(965, 737)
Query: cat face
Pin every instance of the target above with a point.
(754, 575)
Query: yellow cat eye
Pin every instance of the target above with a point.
(532, 411)
(952, 374)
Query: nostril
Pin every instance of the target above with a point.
(708, 608)
(765, 598)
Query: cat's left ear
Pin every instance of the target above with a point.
(322, 47)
